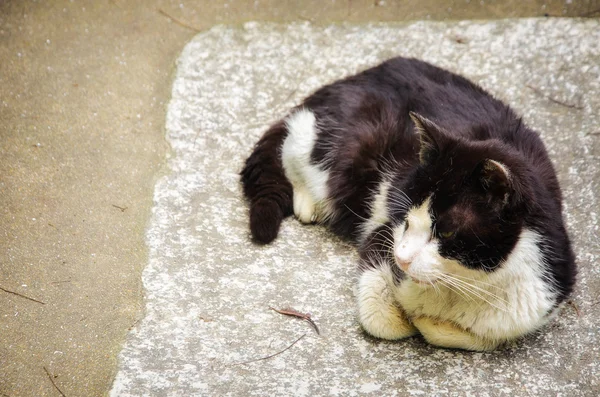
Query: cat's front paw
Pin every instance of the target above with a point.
(378, 312)
(446, 334)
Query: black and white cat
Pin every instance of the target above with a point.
(451, 199)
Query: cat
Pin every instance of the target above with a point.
(451, 199)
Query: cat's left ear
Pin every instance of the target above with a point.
(496, 179)
(430, 138)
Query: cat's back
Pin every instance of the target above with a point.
(410, 84)
(393, 89)
(453, 101)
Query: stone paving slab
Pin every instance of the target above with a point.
(209, 289)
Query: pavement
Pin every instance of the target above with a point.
(209, 289)
(126, 254)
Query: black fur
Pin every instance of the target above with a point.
(439, 135)
(266, 187)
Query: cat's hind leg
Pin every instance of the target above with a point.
(378, 312)
(309, 180)
(304, 205)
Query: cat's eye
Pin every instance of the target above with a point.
(447, 235)
(406, 225)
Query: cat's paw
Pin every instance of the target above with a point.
(378, 312)
(446, 334)
(304, 206)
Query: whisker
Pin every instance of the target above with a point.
(380, 232)
(456, 289)
(358, 216)
(479, 281)
(474, 294)
(469, 288)
(401, 192)
(402, 197)
(476, 236)
(435, 287)
(483, 290)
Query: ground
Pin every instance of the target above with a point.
(94, 218)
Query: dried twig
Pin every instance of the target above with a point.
(290, 95)
(54, 384)
(574, 306)
(134, 324)
(306, 19)
(295, 313)
(121, 208)
(178, 21)
(60, 282)
(458, 39)
(21, 295)
(271, 355)
(551, 99)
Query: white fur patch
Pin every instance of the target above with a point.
(495, 307)
(378, 211)
(308, 180)
(378, 312)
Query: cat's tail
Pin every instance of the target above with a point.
(265, 186)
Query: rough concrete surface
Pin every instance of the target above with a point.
(209, 289)
(81, 134)
(83, 93)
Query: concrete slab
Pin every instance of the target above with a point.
(209, 289)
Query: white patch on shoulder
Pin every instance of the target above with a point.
(378, 312)
(308, 180)
(379, 211)
(529, 297)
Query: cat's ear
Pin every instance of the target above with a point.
(496, 180)
(429, 137)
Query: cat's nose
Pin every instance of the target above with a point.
(403, 263)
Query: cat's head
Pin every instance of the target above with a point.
(461, 210)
